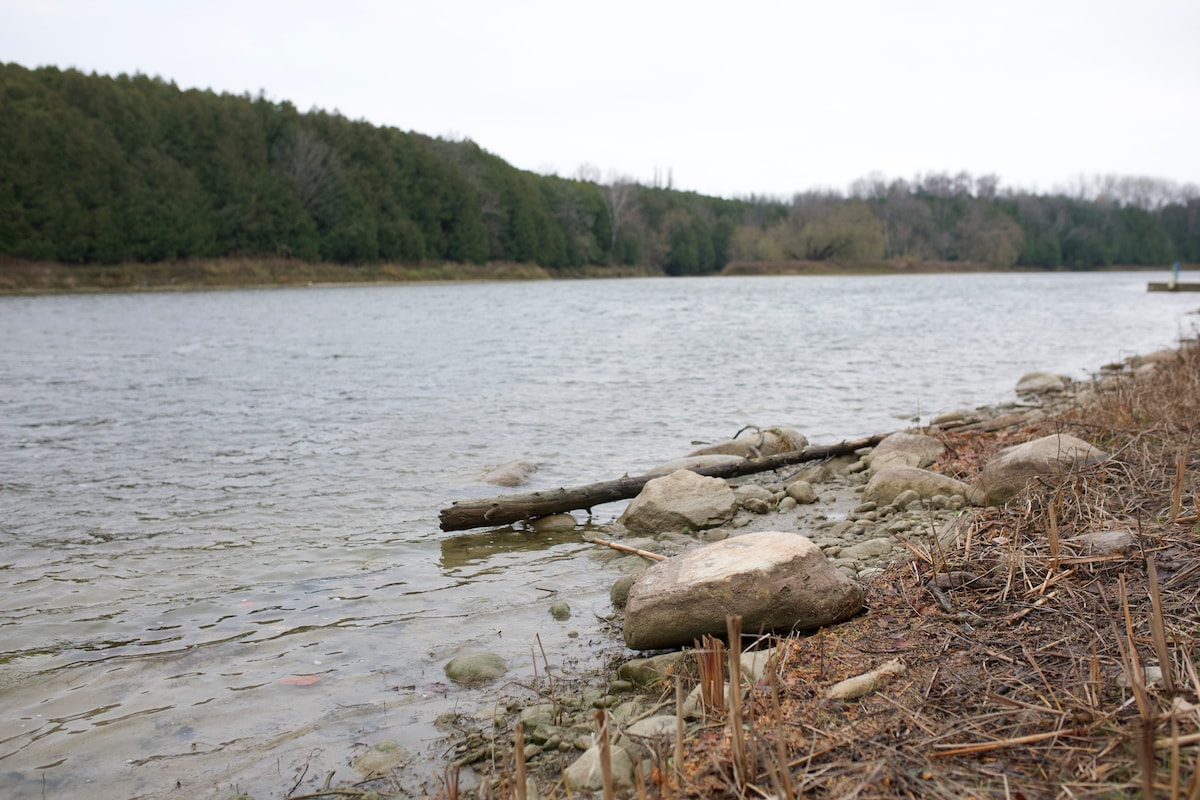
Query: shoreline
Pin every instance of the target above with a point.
(19, 277)
(558, 715)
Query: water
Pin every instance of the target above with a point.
(220, 558)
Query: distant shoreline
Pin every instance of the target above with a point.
(22, 277)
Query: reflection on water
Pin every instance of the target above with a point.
(469, 549)
(220, 567)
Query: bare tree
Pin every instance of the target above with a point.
(314, 169)
(621, 196)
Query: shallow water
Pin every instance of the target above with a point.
(218, 510)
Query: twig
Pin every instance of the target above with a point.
(624, 548)
(983, 747)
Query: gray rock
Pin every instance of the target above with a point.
(1039, 383)
(773, 580)
(767, 442)
(802, 492)
(584, 774)
(472, 668)
(560, 611)
(1101, 542)
(649, 671)
(619, 593)
(870, 549)
(1157, 357)
(752, 491)
(756, 506)
(552, 523)
(1052, 457)
(887, 484)
(905, 450)
(951, 418)
(682, 499)
(511, 473)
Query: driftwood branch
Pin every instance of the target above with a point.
(624, 548)
(505, 509)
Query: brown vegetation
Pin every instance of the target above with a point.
(20, 276)
(1034, 677)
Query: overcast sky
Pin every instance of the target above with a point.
(728, 99)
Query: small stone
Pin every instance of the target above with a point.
(787, 504)
(619, 594)
(560, 611)
(572, 634)
(553, 523)
(470, 668)
(802, 492)
(756, 505)
(620, 687)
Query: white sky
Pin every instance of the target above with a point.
(755, 97)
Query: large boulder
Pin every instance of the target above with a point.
(905, 450)
(767, 442)
(887, 484)
(775, 581)
(680, 500)
(1052, 458)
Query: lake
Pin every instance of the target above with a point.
(221, 563)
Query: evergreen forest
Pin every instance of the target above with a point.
(103, 170)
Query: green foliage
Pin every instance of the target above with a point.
(96, 169)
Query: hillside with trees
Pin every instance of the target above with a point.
(104, 170)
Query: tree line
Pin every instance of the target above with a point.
(97, 169)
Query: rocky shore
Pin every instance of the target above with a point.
(861, 518)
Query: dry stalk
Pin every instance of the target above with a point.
(1177, 489)
(606, 777)
(1158, 631)
(678, 730)
(781, 775)
(733, 627)
(519, 753)
(712, 674)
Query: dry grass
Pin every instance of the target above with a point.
(1031, 680)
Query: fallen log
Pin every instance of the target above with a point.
(505, 509)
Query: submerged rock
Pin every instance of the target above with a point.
(511, 473)
(474, 668)
(775, 581)
(381, 758)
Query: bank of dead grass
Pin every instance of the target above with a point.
(1031, 680)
